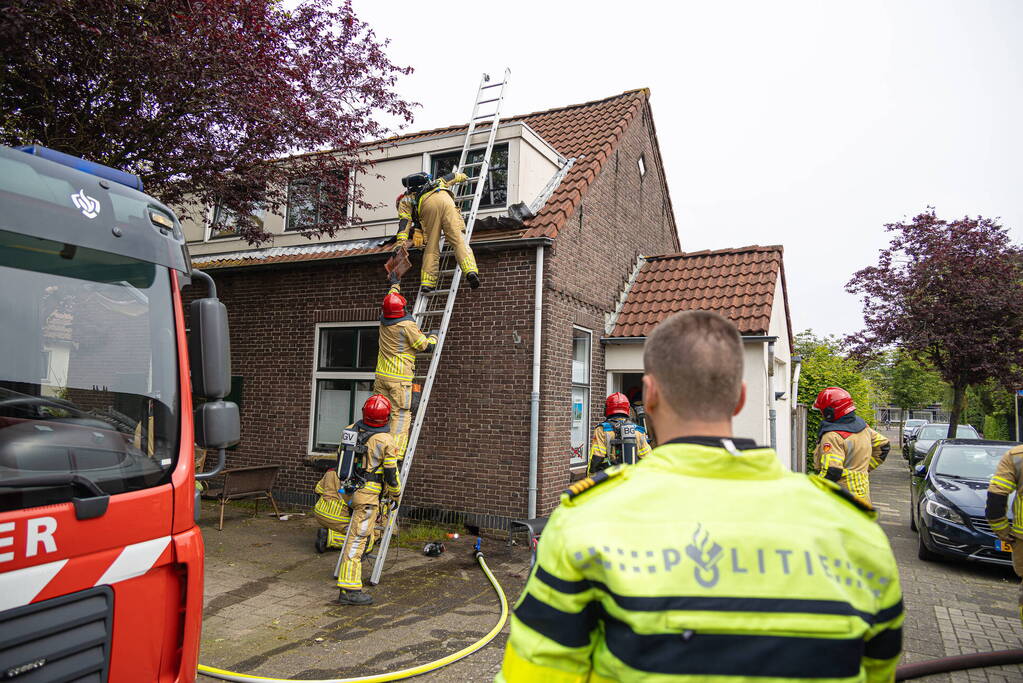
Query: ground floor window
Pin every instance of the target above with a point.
(581, 341)
(345, 356)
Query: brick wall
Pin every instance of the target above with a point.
(474, 452)
(622, 216)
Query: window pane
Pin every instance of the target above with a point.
(333, 412)
(368, 340)
(337, 348)
(580, 357)
(495, 191)
(363, 390)
(580, 423)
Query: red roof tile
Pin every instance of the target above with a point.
(737, 283)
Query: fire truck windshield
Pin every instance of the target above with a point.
(88, 370)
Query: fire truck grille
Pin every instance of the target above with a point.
(63, 639)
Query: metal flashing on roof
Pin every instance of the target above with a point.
(551, 185)
(612, 318)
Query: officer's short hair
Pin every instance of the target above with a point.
(696, 357)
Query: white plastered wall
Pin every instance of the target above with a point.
(531, 163)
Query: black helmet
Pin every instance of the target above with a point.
(416, 180)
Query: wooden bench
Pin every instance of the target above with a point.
(246, 483)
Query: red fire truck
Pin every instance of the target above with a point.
(101, 561)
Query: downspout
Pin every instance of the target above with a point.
(771, 412)
(534, 397)
(795, 405)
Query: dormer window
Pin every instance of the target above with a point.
(495, 191)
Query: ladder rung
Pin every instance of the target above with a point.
(475, 163)
(437, 292)
(492, 85)
(495, 99)
(484, 116)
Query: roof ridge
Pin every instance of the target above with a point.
(716, 252)
(509, 119)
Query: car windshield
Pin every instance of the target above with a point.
(915, 423)
(969, 462)
(932, 432)
(88, 381)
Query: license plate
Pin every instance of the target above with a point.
(1003, 546)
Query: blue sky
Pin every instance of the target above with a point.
(806, 124)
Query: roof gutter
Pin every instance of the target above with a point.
(642, 340)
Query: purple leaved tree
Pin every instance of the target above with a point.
(203, 99)
(950, 292)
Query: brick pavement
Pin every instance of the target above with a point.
(952, 607)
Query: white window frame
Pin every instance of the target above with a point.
(318, 374)
(211, 214)
(350, 201)
(581, 461)
(428, 168)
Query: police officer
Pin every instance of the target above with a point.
(431, 204)
(706, 560)
(1008, 479)
(848, 450)
(400, 340)
(617, 439)
(367, 474)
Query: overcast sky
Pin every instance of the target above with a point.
(806, 124)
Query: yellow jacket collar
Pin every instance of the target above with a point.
(711, 457)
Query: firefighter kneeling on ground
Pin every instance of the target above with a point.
(430, 204)
(400, 340)
(617, 440)
(365, 479)
(848, 449)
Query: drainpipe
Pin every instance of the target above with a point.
(795, 403)
(771, 412)
(534, 397)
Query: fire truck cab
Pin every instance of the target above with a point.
(101, 560)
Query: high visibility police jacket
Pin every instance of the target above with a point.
(1007, 479)
(848, 450)
(411, 202)
(601, 456)
(400, 339)
(707, 561)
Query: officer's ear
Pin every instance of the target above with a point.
(742, 401)
(651, 393)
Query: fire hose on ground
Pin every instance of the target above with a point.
(976, 660)
(225, 675)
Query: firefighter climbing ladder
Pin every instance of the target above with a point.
(428, 313)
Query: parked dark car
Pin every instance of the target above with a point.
(924, 437)
(948, 494)
(909, 428)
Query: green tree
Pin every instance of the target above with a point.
(909, 383)
(824, 365)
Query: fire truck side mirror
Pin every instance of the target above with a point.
(209, 349)
(217, 424)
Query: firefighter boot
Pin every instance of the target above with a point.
(473, 279)
(321, 540)
(354, 598)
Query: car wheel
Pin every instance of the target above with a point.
(925, 553)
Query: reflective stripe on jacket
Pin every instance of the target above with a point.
(398, 343)
(1008, 479)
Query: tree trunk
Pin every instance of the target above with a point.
(958, 401)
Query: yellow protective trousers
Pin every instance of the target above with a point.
(399, 393)
(359, 539)
(334, 517)
(437, 212)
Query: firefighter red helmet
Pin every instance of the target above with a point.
(834, 403)
(616, 404)
(394, 305)
(376, 411)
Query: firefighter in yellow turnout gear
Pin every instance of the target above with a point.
(617, 440)
(1008, 480)
(331, 511)
(706, 561)
(400, 340)
(431, 204)
(848, 449)
(367, 473)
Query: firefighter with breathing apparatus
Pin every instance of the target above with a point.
(365, 479)
(430, 205)
(617, 440)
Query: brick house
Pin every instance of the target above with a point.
(304, 313)
(745, 285)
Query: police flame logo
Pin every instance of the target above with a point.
(89, 206)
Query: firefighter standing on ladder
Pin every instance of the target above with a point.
(617, 439)
(366, 475)
(431, 204)
(400, 340)
(848, 450)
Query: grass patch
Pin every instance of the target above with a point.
(414, 535)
